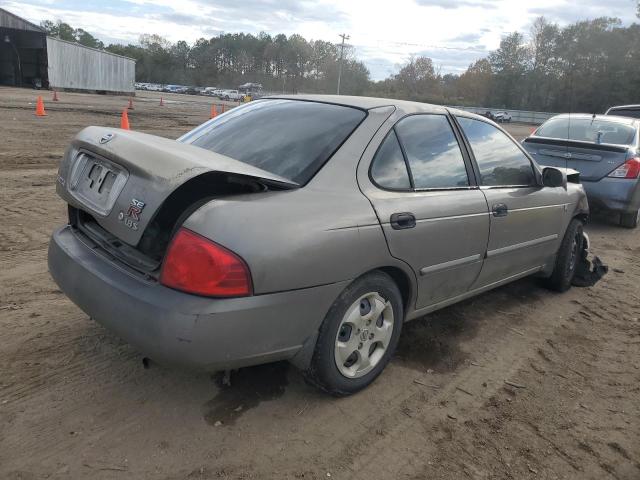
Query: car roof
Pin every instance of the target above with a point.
(625, 107)
(368, 103)
(607, 118)
(365, 103)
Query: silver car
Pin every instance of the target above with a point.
(606, 152)
(305, 228)
(632, 111)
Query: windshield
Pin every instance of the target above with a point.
(587, 130)
(289, 138)
(625, 112)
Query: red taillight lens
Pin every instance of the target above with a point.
(195, 264)
(629, 169)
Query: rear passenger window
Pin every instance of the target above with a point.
(433, 152)
(499, 159)
(389, 169)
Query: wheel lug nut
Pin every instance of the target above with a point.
(371, 336)
(359, 345)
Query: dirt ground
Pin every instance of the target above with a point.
(76, 402)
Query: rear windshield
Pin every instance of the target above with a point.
(290, 138)
(625, 112)
(587, 130)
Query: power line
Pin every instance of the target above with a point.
(427, 46)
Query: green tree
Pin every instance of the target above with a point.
(510, 63)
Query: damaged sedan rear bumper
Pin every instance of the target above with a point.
(182, 329)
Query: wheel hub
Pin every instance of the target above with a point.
(363, 335)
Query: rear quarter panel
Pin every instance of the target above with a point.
(322, 233)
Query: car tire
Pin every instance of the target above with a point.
(350, 325)
(567, 258)
(630, 220)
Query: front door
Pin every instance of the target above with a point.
(433, 216)
(526, 218)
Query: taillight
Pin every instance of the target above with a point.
(195, 264)
(629, 169)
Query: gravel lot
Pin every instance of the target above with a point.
(76, 402)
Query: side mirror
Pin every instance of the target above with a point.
(553, 178)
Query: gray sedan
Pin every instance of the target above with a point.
(305, 228)
(606, 152)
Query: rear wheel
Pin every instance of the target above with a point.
(358, 336)
(630, 220)
(568, 256)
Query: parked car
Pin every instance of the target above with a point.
(313, 238)
(632, 111)
(489, 115)
(209, 91)
(502, 117)
(232, 95)
(604, 149)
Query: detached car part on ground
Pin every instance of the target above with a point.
(311, 239)
(604, 149)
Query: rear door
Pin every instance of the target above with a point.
(433, 215)
(526, 219)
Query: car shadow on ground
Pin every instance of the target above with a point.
(432, 342)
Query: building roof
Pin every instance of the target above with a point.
(12, 21)
(79, 45)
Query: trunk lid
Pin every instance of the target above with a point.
(122, 178)
(593, 161)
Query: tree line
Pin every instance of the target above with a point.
(585, 66)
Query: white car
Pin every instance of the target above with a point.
(230, 95)
(209, 91)
(502, 117)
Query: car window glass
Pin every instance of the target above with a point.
(290, 138)
(433, 152)
(389, 169)
(587, 130)
(499, 159)
(625, 112)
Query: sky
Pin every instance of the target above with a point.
(384, 34)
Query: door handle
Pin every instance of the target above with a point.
(500, 210)
(401, 221)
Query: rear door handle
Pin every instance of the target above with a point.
(401, 221)
(500, 210)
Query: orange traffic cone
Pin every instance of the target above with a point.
(124, 120)
(55, 96)
(130, 107)
(224, 108)
(161, 102)
(214, 111)
(40, 108)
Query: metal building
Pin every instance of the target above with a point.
(29, 58)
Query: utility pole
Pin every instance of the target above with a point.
(344, 37)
